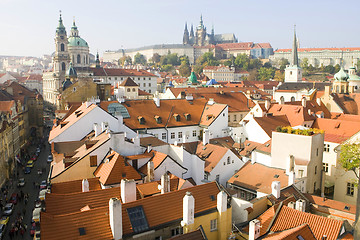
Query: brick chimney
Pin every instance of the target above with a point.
(165, 183)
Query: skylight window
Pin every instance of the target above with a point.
(82, 231)
(137, 219)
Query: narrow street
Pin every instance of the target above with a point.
(32, 182)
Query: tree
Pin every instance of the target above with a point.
(184, 69)
(336, 68)
(207, 59)
(283, 63)
(123, 59)
(305, 64)
(198, 69)
(267, 65)
(156, 58)
(253, 75)
(279, 76)
(265, 74)
(167, 68)
(255, 63)
(139, 59)
(350, 161)
(329, 69)
(358, 65)
(242, 61)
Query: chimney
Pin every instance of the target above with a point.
(291, 205)
(128, 190)
(248, 94)
(291, 179)
(206, 137)
(136, 140)
(275, 189)
(300, 205)
(165, 183)
(184, 138)
(157, 101)
(327, 91)
(324, 237)
(221, 202)
(150, 171)
(115, 215)
(88, 104)
(149, 148)
(254, 229)
(188, 209)
(85, 185)
(211, 101)
(303, 102)
(96, 129)
(189, 97)
(318, 101)
(267, 104)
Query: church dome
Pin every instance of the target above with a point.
(341, 75)
(76, 41)
(67, 83)
(71, 72)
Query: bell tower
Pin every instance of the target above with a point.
(61, 58)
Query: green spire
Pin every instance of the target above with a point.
(61, 27)
(193, 79)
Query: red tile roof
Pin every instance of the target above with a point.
(329, 203)
(293, 234)
(120, 72)
(74, 186)
(319, 49)
(269, 123)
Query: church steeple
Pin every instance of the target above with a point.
(186, 35)
(201, 24)
(192, 31)
(97, 61)
(294, 52)
(61, 58)
(61, 28)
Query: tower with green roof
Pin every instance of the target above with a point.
(78, 49)
(61, 58)
(192, 79)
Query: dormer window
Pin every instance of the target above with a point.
(141, 120)
(158, 119)
(177, 117)
(187, 116)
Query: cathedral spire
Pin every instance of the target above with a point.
(97, 61)
(61, 27)
(294, 52)
(186, 35)
(192, 31)
(74, 30)
(201, 24)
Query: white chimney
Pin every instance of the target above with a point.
(309, 111)
(206, 136)
(157, 101)
(128, 190)
(150, 171)
(96, 129)
(318, 101)
(300, 205)
(120, 119)
(303, 101)
(188, 209)
(267, 104)
(136, 140)
(211, 101)
(149, 148)
(275, 189)
(85, 185)
(254, 229)
(221, 202)
(189, 97)
(115, 215)
(165, 183)
(291, 205)
(184, 138)
(291, 179)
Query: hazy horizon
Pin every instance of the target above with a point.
(28, 27)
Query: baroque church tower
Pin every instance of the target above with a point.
(200, 34)
(61, 58)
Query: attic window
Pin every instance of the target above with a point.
(208, 117)
(158, 119)
(279, 109)
(62, 124)
(141, 120)
(337, 125)
(276, 176)
(248, 144)
(212, 197)
(123, 175)
(177, 117)
(266, 145)
(82, 231)
(347, 208)
(187, 116)
(137, 219)
(78, 114)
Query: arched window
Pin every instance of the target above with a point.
(128, 90)
(84, 59)
(133, 89)
(62, 47)
(78, 58)
(282, 99)
(342, 89)
(293, 99)
(337, 89)
(63, 66)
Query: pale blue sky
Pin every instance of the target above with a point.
(28, 26)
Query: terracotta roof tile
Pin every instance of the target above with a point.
(210, 113)
(320, 226)
(269, 123)
(211, 153)
(152, 141)
(128, 83)
(329, 203)
(114, 168)
(5, 106)
(74, 186)
(247, 177)
(120, 72)
(194, 235)
(293, 234)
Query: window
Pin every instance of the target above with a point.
(62, 47)
(228, 160)
(325, 167)
(213, 225)
(176, 231)
(63, 66)
(144, 84)
(128, 90)
(301, 173)
(290, 72)
(138, 78)
(194, 133)
(217, 178)
(315, 169)
(179, 134)
(235, 118)
(133, 89)
(149, 84)
(314, 186)
(317, 153)
(350, 189)
(326, 147)
(78, 58)
(163, 136)
(137, 219)
(205, 176)
(172, 135)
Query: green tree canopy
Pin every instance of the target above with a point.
(265, 74)
(139, 59)
(242, 61)
(350, 157)
(125, 58)
(156, 58)
(207, 59)
(283, 63)
(184, 69)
